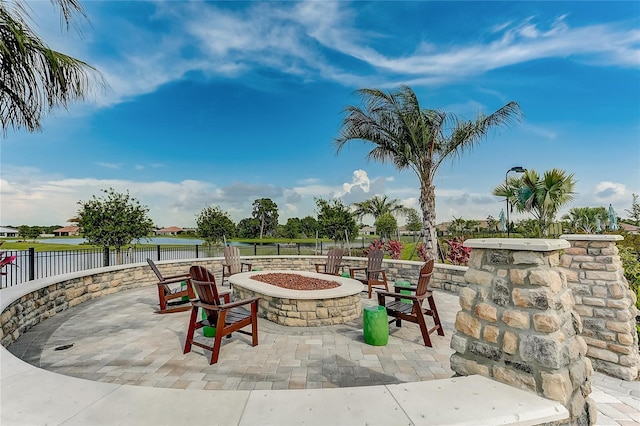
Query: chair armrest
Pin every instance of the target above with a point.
(364, 268)
(184, 274)
(374, 271)
(175, 279)
(239, 303)
(243, 264)
(398, 295)
(409, 288)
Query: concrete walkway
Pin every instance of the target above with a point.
(118, 339)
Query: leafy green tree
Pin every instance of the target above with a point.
(586, 219)
(213, 225)
(457, 226)
(539, 195)
(411, 137)
(34, 77)
(309, 226)
(29, 232)
(334, 219)
(634, 212)
(292, 228)
(386, 225)
(377, 206)
(266, 211)
(472, 225)
(528, 228)
(113, 220)
(248, 228)
(414, 222)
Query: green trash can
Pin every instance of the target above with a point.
(256, 269)
(206, 330)
(183, 287)
(346, 275)
(375, 325)
(404, 284)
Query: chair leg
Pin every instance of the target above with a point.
(254, 324)
(434, 314)
(192, 329)
(422, 323)
(217, 340)
(163, 301)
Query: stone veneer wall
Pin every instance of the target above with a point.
(518, 325)
(304, 313)
(605, 303)
(44, 298)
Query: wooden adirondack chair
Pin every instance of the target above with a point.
(171, 298)
(333, 264)
(225, 317)
(371, 275)
(232, 263)
(200, 273)
(414, 312)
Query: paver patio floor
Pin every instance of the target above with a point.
(119, 339)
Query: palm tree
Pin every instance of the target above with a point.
(377, 206)
(586, 219)
(541, 196)
(414, 138)
(33, 77)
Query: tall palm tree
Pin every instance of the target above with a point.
(377, 206)
(33, 77)
(414, 138)
(541, 196)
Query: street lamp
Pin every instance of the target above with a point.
(517, 169)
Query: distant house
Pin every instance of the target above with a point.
(632, 229)
(171, 230)
(367, 230)
(66, 231)
(8, 232)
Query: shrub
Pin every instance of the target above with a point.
(458, 254)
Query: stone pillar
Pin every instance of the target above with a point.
(518, 326)
(605, 303)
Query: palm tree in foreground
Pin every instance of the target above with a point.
(33, 77)
(541, 196)
(420, 139)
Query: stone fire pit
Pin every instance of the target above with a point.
(301, 308)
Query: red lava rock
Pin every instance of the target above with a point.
(295, 281)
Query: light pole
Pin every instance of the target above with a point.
(517, 169)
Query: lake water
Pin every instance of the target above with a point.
(154, 240)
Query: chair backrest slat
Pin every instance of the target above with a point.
(334, 260)
(425, 277)
(232, 258)
(155, 269)
(201, 273)
(374, 262)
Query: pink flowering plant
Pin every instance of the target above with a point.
(458, 254)
(393, 248)
(4, 261)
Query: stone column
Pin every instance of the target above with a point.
(605, 303)
(518, 326)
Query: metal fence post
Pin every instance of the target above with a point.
(197, 252)
(105, 257)
(278, 248)
(32, 263)
(255, 249)
(158, 258)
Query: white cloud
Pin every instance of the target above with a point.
(610, 192)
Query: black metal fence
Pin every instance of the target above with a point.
(31, 265)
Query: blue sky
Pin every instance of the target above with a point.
(221, 103)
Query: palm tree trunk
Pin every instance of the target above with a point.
(428, 206)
